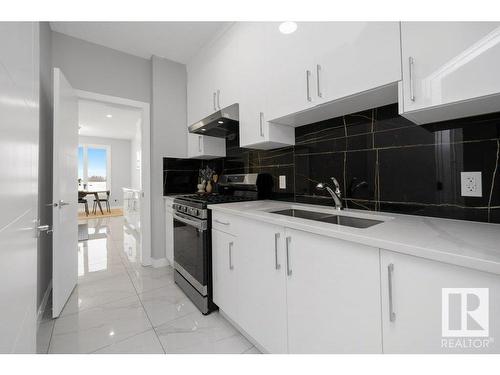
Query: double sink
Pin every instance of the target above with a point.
(349, 221)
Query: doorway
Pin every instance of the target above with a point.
(113, 136)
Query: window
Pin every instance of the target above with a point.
(94, 167)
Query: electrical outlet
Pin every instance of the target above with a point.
(282, 182)
(471, 184)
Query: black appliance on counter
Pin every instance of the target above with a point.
(192, 232)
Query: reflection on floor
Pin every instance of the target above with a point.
(98, 215)
(120, 306)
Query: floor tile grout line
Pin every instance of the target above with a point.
(109, 302)
(144, 308)
(119, 341)
(94, 307)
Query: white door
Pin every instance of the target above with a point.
(262, 285)
(65, 193)
(416, 300)
(452, 61)
(333, 295)
(225, 268)
(19, 185)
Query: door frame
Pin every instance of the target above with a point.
(145, 164)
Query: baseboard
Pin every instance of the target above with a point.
(161, 262)
(43, 304)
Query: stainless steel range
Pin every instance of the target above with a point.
(192, 233)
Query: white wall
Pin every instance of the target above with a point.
(160, 82)
(120, 165)
(168, 137)
(91, 67)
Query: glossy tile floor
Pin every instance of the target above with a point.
(120, 306)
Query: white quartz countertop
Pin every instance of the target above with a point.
(463, 243)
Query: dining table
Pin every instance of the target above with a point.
(95, 193)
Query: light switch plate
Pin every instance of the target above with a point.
(471, 184)
(282, 182)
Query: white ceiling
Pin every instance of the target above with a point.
(177, 41)
(93, 120)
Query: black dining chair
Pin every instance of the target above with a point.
(102, 199)
(81, 199)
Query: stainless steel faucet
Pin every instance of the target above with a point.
(336, 195)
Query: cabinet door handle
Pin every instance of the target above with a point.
(308, 78)
(392, 314)
(288, 267)
(218, 99)
(230, 248)
(261, 119)
(411, 61)
(199, 143)
(221, 222)
(276, 239)
(318, 70)
(214, 99)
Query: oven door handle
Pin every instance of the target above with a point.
(199, 224)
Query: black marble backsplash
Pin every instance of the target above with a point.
(382, 161)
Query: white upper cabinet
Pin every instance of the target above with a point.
(450, 69)
(201, 97)
(353, 57)
(205, 147)
(328, 69)
(289, 69)
(231, 70)
(252, 61)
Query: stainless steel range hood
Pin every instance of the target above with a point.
(220, 123)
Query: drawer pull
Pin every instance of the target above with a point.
(221, 222)
(288, 266)
(231, 255)
(276, 239)
(390, 271)
(411, 61)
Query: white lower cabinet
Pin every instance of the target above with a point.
(417, 305)
(298, 292)
(333, 295)
(262, 286)
(225, 268)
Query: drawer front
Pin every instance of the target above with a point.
(227, 223)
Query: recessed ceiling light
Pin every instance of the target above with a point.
(220, 122)
(203, 130)
(109, 116)
(288, 27)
